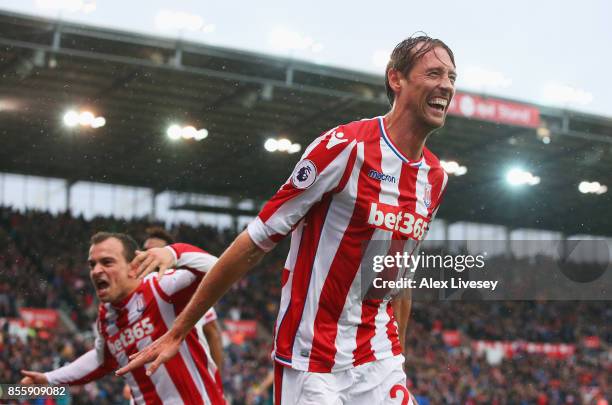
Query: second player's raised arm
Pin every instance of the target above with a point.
(242, 255)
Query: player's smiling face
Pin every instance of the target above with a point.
(109, 270)
(429, 88)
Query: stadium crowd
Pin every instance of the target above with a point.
(43, 265)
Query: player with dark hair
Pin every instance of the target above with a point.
(357, 184)
(157, 237)
(133, 313)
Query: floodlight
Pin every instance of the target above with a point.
(201, 134)
(586, 187)
(71, 119)
(174, 132)
(295, 148)
(284, 145)
(271, 145)
(454, 168)
(98, 122)
(86, 118)
(518, 177)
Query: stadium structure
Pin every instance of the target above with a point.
(144, 84)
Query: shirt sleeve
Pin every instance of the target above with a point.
(209, 316)
(191, 264)
(320, 171)
(192, 258)
(89, 367)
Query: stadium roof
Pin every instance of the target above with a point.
(141, 84)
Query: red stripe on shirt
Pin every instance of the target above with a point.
(407, 188)
(160, 290)
(145, 384)
(175, 367)
(392, 333)
(214, 390)
(345, 264)
(363, 353)
(309, 244)
(181, 299)
(435, 177)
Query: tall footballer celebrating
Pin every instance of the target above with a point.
(360, 182)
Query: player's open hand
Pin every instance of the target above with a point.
(159, 352)
(33, 377)
(147, 261)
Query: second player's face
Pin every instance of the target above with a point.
(429, 88)
(109, 270)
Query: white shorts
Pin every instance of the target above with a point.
(381, 382)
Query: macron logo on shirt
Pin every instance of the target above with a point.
(336, 139)
(381, 176)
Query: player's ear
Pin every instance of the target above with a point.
(394, 77)
(132, 271)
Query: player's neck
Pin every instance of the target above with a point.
(130, 288)
(406, 134)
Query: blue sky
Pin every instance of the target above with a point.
(548, 52)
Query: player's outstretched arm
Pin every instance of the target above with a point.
(33, 377)
(233, 264)
(90, 366)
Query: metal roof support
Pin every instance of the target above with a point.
(177, 61)
(153, 213)
(69, 184)
(565, 127)
(234, 205)
(507, 232)
(289, 76)
(447, 225)
(57, 38)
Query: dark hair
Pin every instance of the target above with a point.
(158, 232)
(404, 57)
(129, 244)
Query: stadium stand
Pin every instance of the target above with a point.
(445, 364)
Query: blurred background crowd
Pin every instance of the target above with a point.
(43, 265)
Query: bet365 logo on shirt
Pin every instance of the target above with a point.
(391, 218)
(131, 334)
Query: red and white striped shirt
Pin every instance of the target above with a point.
(352, 186)
(146, 314)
